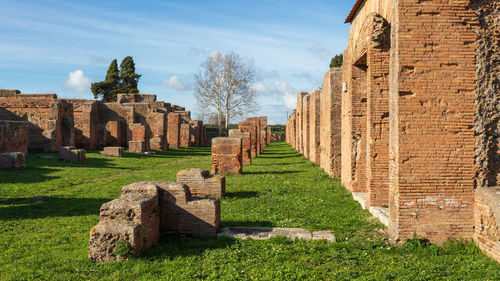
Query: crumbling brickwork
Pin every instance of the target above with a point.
(86, 120)
(14, 136)
(245, 142)
(227, 156)
(487, 221)
(306, 125)
(133, 220)
(258, 135)
(330, 120)
(50, 119)
(141, 132)
(314, 128)
(115, 134)
(185, 135)
(201, 183)
(250, 127)
(173, 131)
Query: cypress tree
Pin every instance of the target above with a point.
(128, 76)
(107, 89)
(337, 61)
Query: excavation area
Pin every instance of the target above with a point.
(48, 208)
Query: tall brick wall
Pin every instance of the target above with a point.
(185, 135)
(306, 124)
(173, 131)
(432, 93)
(86, 118)
(314, 128)
(330, 131)
(377, 134)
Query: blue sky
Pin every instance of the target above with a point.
(62, 46)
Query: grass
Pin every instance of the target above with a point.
(49, 240)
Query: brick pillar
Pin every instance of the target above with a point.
(173, 130)
(185, 135)
(246, 147)
(227, 156)
(258, 132)
(314, 140)
(305, 125)
(432, 95)
(141, 132)
(115, 135)
(330, 122)
(250, 127)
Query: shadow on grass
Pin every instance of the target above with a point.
(272, 172)
(242, 194)
(225, 223)
(28, 208)
(173, 246)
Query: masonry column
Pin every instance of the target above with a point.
(314, 139)
(305, 124)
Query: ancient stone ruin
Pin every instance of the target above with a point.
(53, 122)
(72, 155)
(227, 156)
(145, 211)
(116, 151)
(246, 148)
(398, 124)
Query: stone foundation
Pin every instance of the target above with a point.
(113, 151)
(12, 160)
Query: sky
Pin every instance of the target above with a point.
(63, 46)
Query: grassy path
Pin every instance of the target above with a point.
(49, 240)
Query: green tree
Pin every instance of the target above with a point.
(108, 89)
(337, 61)
(128, 76)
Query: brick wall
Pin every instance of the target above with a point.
(14, 136)
(305, 125)
(314, 127)
(227, 156)
(330, 120)
(173, 131)
(201, 183)
(246, 144)
(250, 127)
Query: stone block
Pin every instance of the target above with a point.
(201, 183)
(136, 146)
(113, 151)
(227, 156)
(12, 160)
(14, 136)
(133, 219)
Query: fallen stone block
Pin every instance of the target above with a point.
(116, 151)
(137, 146)
(12, 160)
(72, 155)
(201, 183)
(263, 233)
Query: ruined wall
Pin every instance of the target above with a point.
(314, 127)
(306, 122)
(330, 122)
(50, 120)
(173, 131)
(250, 127)
(432, 93)
(258, 130)
(300, 124)
(377, 134)
(246, 144)
(86, 119)
(487, 125)
(227, 156)
(185, 135)
(122, 116)
(14, 136)
(487, 221)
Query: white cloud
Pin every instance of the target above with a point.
(78, 81)
(175, 82)
(320, 51)
(278, 87)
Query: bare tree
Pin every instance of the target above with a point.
(223, 86)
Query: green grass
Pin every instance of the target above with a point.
(50, 240)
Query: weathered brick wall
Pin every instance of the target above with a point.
(201, 183)
(141, 132)
(305, 125)
(14, 136)
(432, 93)
(258, 130)
(250, 127)
(227, 156)
(182, 214)
(158, 125)
(487, 125)
(115, 134)
(330, 121)
(173, 131)
(300, 122)
(314, 127)
(185, 135)
(50, 120)
(86, 119)
(246, 144)
(113, 151)
(487, 221)
(377, 134)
